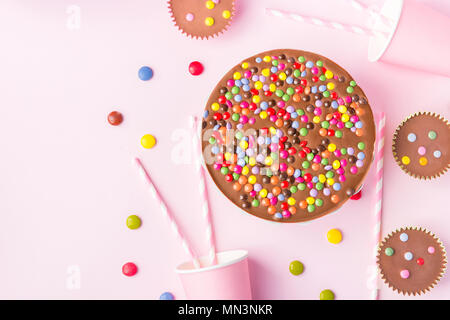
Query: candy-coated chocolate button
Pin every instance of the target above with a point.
(404, 237)
(133, 222)
(296, 267)
(195, 68)
(420, 261)
(148, 141)
(115, 118)
(209, 21)
(404, 274)
(389, 251)
(432, 135)
(421, 150)
(431, 250)
(423, 161)
(406, 160)
(327, 295)
(145, 73)
(166, 296)
(334, 236)
(412, 137)
(129, 269)
(408, 256)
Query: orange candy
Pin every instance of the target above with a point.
(359, 112)
(236, 109)
(237, 186)
(325, 154)
(292, 210)
(271, 210)
(223, 131)
(242, 180)
(329, 117)
(354, 105)
(279, 123)
(303, 204)
(274, 180)
(359, 132)
(276, 191)
(265, 202)
(248, 187)
(296, 98)
(290, 171)
(245, 111)
(323, 132)
(315, 166)
(334, 198)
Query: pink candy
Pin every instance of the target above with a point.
(283, 166)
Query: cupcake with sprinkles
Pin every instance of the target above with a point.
(421, 145)
(411, 260)
(201, 18)
(288, 135)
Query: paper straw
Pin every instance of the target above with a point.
(206, 212)
(324, 23)
(377, 15)
(166, 212)
(379, 158)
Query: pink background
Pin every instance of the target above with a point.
(67, 183)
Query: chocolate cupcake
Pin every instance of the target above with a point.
(421, 145)
(201, 18)
(411, 260)
(288, 135)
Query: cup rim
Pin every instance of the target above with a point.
(378, 54)
(240, 255)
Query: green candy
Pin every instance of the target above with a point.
(319, 63)
(303, 132)
(389, 251)
(229, 95)
(301, 59)
(350, 90)
(293, 189)
(319, 202)
(344, 151)
(300, 112)
(432, 135)
(327, 295)
(235, 117)
(269, 172)
(274, 155)
(322, 78)
(326, 94)
(235, 90)
(325, 124)
(348, 124)
(353, 83)
(305, 164)
(286, 97)
(235, 176)
(296, 267)
(297, 73)
(361, 145)
(255, 203)
(279, 93)
(275, 63)
(290, 91)
(324, 161)
(212, 140)
(319, 186)
(338, 134)
(301, 186)
(224, 170)
(133, 222)
(329, 174)
(311, 208)
(239, 135)
(310, 156)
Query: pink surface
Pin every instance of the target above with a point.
(67, 182)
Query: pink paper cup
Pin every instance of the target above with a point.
(228, 280)
(418, 37)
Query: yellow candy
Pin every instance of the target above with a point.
(334, 236)
(210, 4)
(423, 161)
(263, 193)
(209, 21)
(342, 109)
(267, 59)
(227, 155)
(316, 119)
(272, 87)
(243, 144)
(406, 160)
(291, 201)
(330, 181)
(322, 178)
(148, 141)
(245, 170)
(263, 114)
(330, 86)
(272, 130)
(258, 85)
(252, 179)
(331, 147)
(336, 164)
(328, 74)
(268, 161)
(256, 99)
(215, 106)
(252, 161)
(265, 72)
(310, 200)
(282, 76)
(244, 65)
(226, 14)
(237, 75)
(345, 118)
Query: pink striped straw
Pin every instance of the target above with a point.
(206, 212)
(166, 212)
(379, 158)
(374, 13)
(325, 23)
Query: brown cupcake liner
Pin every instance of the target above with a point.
(442, 269)
(202, 37)
(397, 159)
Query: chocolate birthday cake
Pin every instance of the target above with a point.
(288, 135)
(411, 260)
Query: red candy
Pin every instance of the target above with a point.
(195, 68)
(129, 269)
(115, 118)
(357, 195)
(420, 262)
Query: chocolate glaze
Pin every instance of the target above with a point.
(420, 124)
(422, 277)
(197, 27)
(315, 141)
